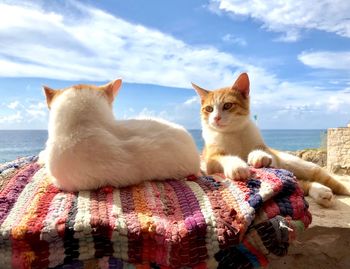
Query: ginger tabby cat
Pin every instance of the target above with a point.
(233, 142)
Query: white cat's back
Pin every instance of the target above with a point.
(159, 147)
(87, 148)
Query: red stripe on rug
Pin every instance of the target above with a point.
(15, 186)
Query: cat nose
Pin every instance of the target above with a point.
(217, 118)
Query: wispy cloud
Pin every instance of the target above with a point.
(326, 60)
(79, 44)
(290, 17)
(229, 38)
(192, 101)
(12, 118)
(148, 113)
(185, 113)
(340, 102)
(24, 112)
(37, 111)
(13, 105)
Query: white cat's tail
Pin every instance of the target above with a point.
(307, 171)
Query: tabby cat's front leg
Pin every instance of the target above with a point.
(232, 166)
(259, 158)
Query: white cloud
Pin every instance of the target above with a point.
(185, 113)
(192, 101)
(13, 105)
(12, 118)
(146, 112)
(339, 102)
(37, 42)
(292, 16)
(80, 42)
(291, 35)
(326, 60)
(229, 38)
(37, 111)
(26, 112)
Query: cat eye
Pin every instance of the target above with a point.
(227, 106)
(209, 109)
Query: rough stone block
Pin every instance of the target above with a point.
(338, 150)
(326, 243)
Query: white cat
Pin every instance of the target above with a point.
(87, 148)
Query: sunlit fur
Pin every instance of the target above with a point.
(234, 141)
(231, 119)
(87, 148)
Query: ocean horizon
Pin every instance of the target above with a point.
(19, 143)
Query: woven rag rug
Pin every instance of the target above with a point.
(198, 222)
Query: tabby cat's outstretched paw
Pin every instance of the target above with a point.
(259, 158)
(236, 169)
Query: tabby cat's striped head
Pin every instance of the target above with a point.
(225, 109)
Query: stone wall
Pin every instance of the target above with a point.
(338, 150)
(317, 156)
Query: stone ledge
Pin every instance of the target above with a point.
(317, 156)
(326, 244)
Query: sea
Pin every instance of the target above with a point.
(19, 143)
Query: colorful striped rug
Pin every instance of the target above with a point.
(199, 222)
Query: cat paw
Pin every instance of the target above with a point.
(259, 158)
(237, 170)
(321, 194)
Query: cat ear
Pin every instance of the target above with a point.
(242, 85)
(201, 92)
(111, 89)
(50, 94)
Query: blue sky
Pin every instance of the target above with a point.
(297, 54)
